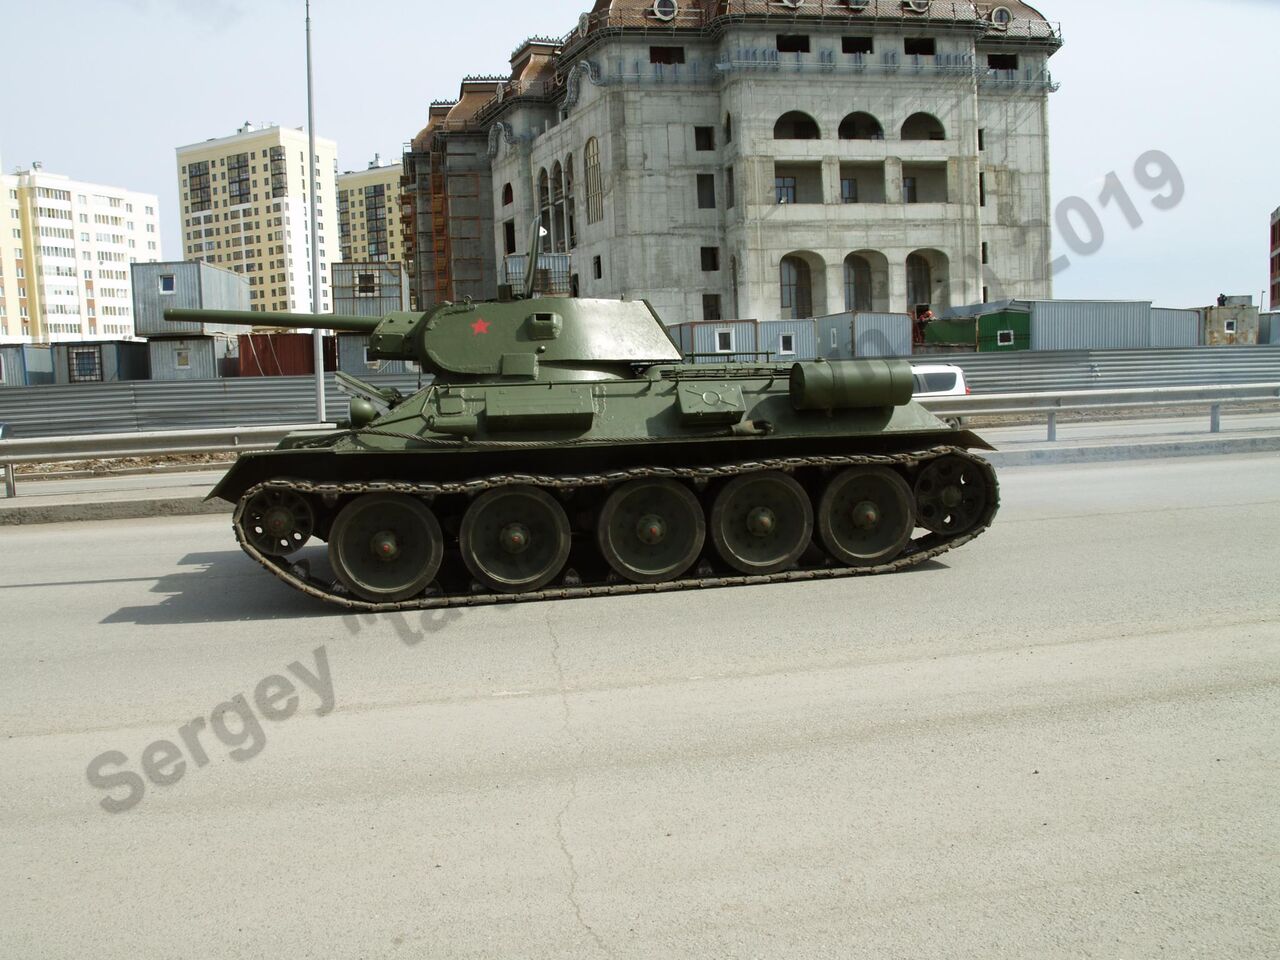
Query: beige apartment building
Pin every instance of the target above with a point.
(246, 208)
(65, 252)
(369, 214)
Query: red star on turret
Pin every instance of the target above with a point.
(479, 327)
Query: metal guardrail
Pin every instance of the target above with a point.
(110, 445)
(1051, 404)
(235, 439)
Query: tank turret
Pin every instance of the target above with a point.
(547, 339)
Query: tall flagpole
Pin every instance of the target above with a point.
(317, 336)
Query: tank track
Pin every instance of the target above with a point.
(918, 551)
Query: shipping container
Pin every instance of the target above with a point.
(187, 285)
(788, 339)
(1232, 325)
(1269, 328)
(717, 341)
(192, 358)
(835, 336)
(1005, 331)
(25, 365)
(282, 354)
(1174, 328)
(881, 335)
(1090, 324)
(100, 361)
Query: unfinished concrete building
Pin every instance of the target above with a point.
(754, 158)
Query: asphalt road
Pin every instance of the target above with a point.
(1059, 742)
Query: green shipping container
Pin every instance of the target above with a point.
(1004, 331)
(950, 332)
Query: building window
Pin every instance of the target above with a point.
(848, 190)
(724, 341)
(796, 125)
(595, 186)
(509, 236)
(730, 191)
(704, 138)
(784, 189)
(982, 139)
(984, 252)
(710, 259)
(787, 344)
(796, 289)
(834, 339)
(793, 43)
(1002, 61)
(366, 285)
(1004, 338)
(508, 196)
(706, 191)
(597, 268)
(982, 189)
(859, 45)
(167, 283)
(910, 192)
(920, 47)
(711, 306)
(85, 364)
(182, 359)
(728, 128)
(666, 54)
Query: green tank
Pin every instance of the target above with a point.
(563, 448)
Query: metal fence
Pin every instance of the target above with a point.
(147, 405)
(60, 410)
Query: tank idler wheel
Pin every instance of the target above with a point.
(761, 522)
(515, 539)
(950, 495)
(651, 530)
(278, 522)
(866, 516)
(386, 547)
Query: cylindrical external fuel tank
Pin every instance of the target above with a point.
(849, 384)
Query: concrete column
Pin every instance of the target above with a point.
(830, 179)
(835, 283)
(897, 283)
(893, 180)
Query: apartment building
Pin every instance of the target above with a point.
(754, 159)
(66, 247)
(246, 208)
(369, 214)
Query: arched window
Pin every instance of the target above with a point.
(861, 126)
(923, 126)
(796, 288)
(857, 284)
(558, 232)
(796, 126)
(544, 208)
(595, 184)
(508, 196)
(571, 212)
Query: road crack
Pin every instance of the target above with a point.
(567, 731)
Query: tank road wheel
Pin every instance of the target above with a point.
(386, 547)
(651, 530)
(866, 516)
(514, 538)
(278, 522)
(761, 522)
(950, 495)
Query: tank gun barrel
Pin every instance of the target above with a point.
(256, 318)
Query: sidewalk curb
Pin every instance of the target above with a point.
(112, 510)
(1155, 450)
(179, 506)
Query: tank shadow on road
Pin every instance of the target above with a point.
(220, 587)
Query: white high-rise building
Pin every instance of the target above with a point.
(246, 208)
(65, 252)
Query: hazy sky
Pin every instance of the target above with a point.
(104, 90)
